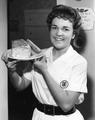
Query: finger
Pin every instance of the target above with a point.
(11, 65)
(44, 59)
(39, 59)
(4, 57)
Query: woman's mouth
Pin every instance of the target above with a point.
(59, 39)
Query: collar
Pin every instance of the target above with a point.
(65, 56)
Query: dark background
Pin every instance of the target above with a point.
(22, 103)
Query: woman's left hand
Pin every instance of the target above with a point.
(41, 64)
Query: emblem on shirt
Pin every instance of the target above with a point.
(64, 84)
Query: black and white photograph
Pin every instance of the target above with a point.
(47, 60)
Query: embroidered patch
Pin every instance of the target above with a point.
(64, 84)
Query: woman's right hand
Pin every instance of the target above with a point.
(10, 64)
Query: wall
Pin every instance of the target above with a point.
(88, 107)
(3, 70)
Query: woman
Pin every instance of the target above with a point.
(58, 79)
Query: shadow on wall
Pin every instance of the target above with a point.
(86, 108)
(80, 43)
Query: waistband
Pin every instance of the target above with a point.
(53, 110)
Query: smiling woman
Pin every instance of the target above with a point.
(61, 34)
(59, 79)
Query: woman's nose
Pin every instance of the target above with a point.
(59, 32)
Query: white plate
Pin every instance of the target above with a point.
(33, 57)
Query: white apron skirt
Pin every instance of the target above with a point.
(37, 115)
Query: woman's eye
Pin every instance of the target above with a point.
(53, 27)
(66, 29)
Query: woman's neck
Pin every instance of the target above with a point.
(57, 53)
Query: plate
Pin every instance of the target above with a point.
(33, 57)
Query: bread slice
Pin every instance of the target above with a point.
(33, 46)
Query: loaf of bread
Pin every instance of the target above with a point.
(20, 49)
(23, 49)
(21, 52)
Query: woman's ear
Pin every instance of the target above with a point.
(73, 36)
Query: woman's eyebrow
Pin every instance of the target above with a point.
(66, 27)
(53, 25)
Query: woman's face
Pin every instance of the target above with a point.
(61, 33)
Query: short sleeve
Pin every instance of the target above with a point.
(78, 78)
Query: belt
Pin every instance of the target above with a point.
(53, 110)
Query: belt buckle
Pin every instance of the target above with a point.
(49, 110)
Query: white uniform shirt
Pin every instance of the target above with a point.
(69, 71)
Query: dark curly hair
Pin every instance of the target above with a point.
(67, 13)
